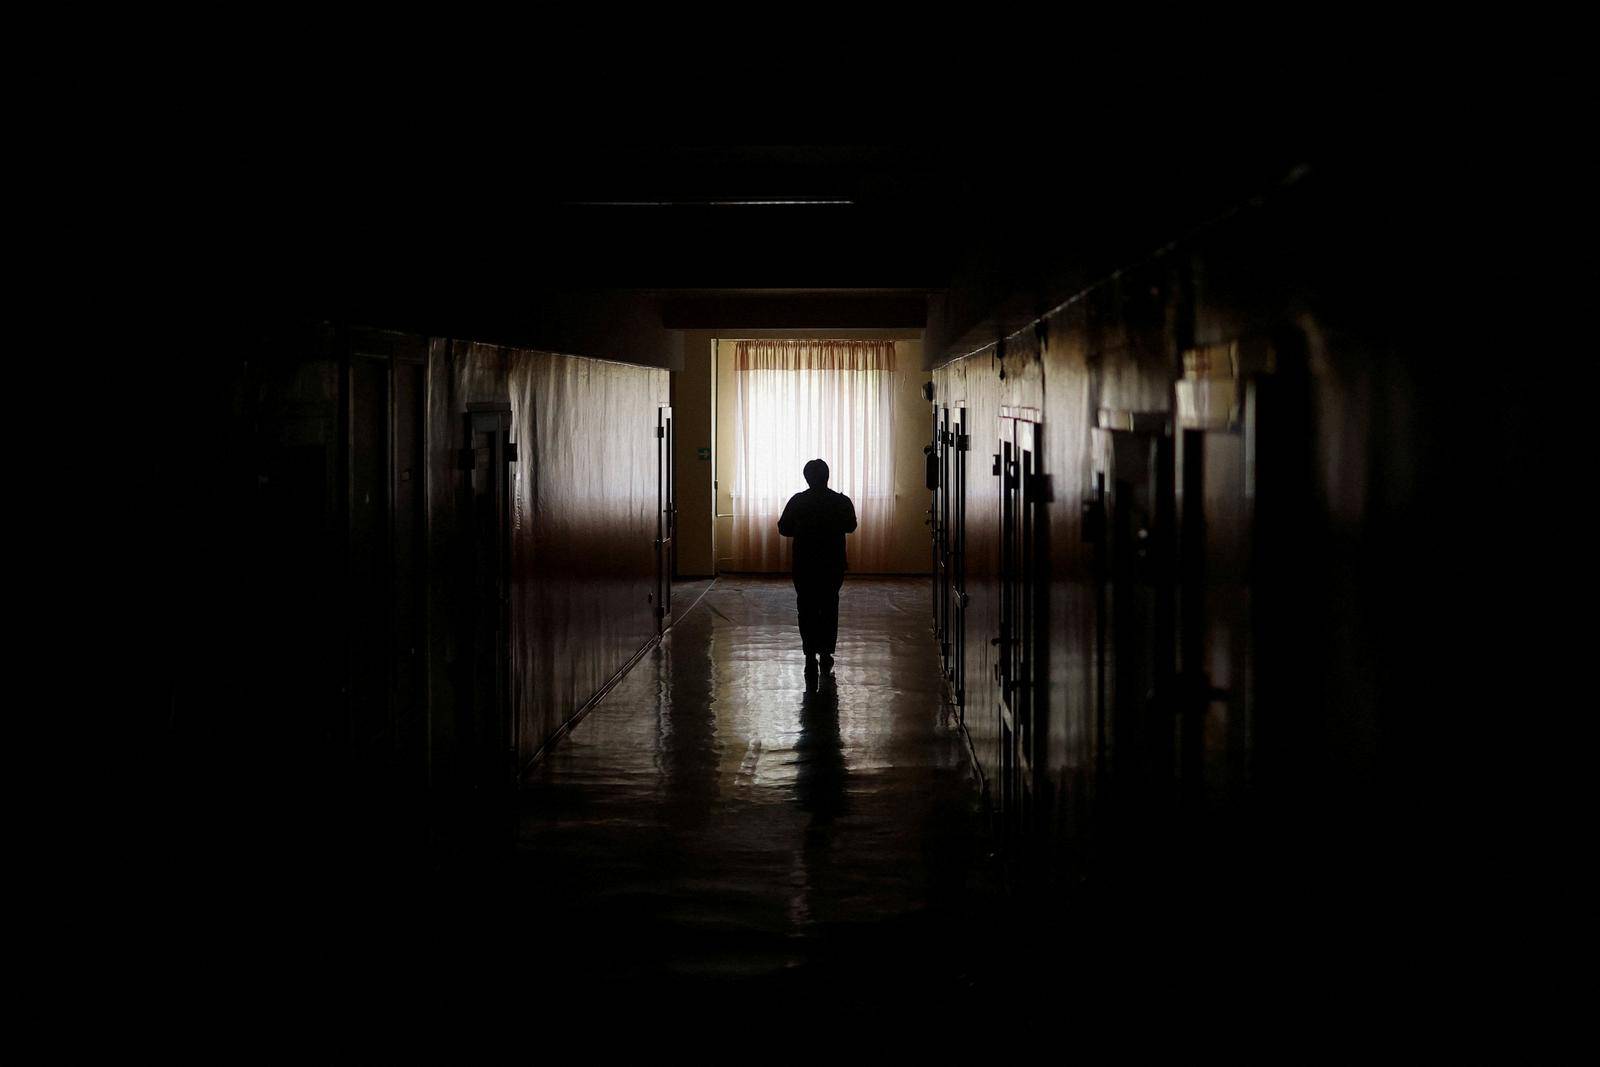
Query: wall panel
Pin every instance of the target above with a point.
(583, 559)
(583, 526)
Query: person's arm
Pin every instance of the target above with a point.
(847, 513)
(786, 520)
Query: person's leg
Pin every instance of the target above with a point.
(805, 605)
(828, 624)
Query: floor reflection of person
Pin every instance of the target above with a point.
(819, 784)
(818, 520)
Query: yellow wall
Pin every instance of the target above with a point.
(912, 428)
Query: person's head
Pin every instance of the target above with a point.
(816, 473)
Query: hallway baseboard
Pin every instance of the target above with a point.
(589, 705)
(677, 618)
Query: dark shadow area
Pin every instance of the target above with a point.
(1187, 715)
(820, 771)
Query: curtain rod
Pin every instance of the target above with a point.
(819, 340)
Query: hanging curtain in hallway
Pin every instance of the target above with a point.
(803, 400)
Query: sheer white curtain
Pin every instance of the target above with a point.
(805, 400)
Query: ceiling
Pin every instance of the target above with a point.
(854, 235)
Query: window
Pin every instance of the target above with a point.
(804, 400)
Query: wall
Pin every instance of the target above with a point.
(583, 522)
(911, 428)
(322, 597)
(1298, 580)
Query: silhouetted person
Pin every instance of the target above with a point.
(818, 519)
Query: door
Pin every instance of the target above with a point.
(939, 523)
(1215, 465)
(960, 446)
(384, 416)
(932, 483)
(951, 443)
(487, 459)
(1021, 642)
(666, 519)
(294, 604)
(408, 624)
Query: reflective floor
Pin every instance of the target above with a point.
(714, 821)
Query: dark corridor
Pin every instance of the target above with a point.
(1196, 465)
